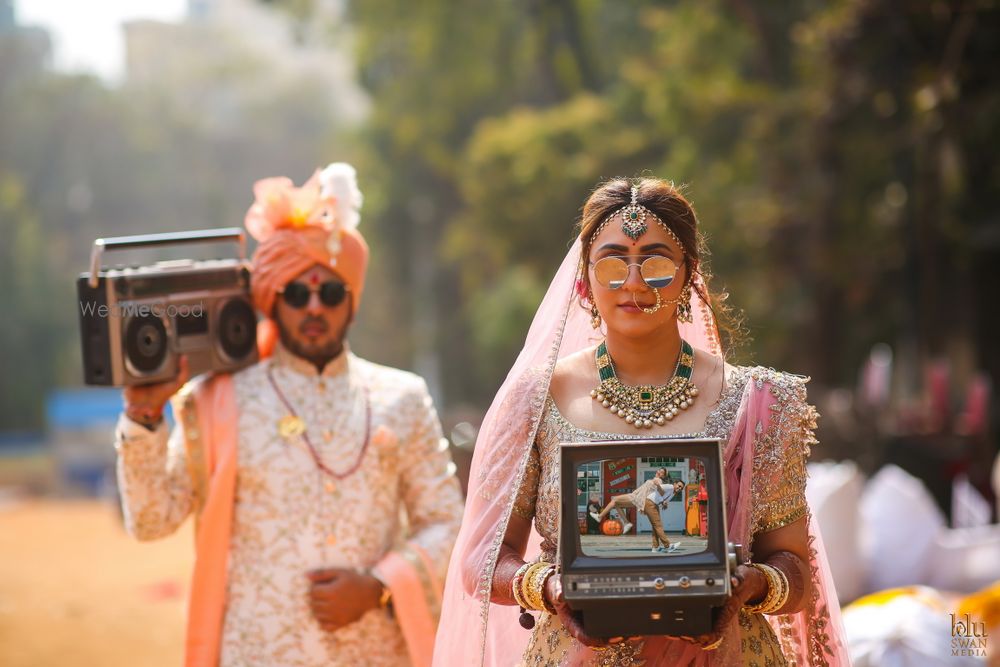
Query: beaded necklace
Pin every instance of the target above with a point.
(644, 406)
(292, 425)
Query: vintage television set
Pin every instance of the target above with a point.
(614, 579)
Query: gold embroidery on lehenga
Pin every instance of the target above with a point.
(550, 643)
(527, 495)
(777, 499)
(625, 654)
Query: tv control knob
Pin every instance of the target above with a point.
(659, 583)
(684, 582)
(710, 581)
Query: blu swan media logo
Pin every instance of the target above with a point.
(968, 638)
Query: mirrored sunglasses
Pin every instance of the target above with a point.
(657, 271)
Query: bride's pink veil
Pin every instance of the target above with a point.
(472, 631)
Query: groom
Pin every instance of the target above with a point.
(658, 499)
(296, 469)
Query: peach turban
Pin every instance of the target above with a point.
(297, 228)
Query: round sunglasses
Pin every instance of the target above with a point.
(331, 293)
(656, 271)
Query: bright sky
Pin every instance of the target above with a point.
(87, 35)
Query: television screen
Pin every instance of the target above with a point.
(643, 506)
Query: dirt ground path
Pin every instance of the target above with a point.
(76, 590)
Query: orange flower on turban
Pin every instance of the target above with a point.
(281, 205)
(299, 227)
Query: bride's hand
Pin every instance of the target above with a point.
(554, 595)
(748, 583)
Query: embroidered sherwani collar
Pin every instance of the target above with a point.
(336, 367)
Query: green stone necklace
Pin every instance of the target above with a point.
(646, 405)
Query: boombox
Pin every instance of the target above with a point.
(618, 575)
(136, 321)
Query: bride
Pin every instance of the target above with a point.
(626, 345)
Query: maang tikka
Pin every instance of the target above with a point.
(633, 220)
(634, 217)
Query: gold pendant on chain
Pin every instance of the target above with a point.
(291, 426)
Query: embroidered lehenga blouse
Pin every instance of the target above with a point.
(778, 496)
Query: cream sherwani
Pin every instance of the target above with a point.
(291, 517)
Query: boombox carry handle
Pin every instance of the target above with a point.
(168, 238)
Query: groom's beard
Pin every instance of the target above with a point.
(319, 353)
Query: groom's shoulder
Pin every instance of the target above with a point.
(392, 382)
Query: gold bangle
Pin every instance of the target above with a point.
(777, 590)
(773, 590)
(515, 585)
(532, 586)
(785, 589)
(528, 589)
(714, 645)
(538, 577)
(781, 596)
(524, 583)
(774, 600)
(385, 597)
(540, 580)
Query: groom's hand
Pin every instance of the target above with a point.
(339, 597)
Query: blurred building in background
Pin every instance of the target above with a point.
(25, 50)
(254, 50)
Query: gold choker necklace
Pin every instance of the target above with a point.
(646, 405)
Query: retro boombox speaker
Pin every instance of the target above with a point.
(136, 321)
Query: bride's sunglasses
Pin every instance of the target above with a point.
(657, 271)
(331, 293)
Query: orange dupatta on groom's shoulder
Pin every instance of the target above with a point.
(206, 412)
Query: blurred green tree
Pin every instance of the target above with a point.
(830, 149)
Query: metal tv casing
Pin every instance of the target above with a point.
(652, 595)
(136, 321)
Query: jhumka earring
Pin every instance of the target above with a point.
(684, 306)
(595, 315)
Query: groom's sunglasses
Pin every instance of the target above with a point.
(331, 293)
(657, 271)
